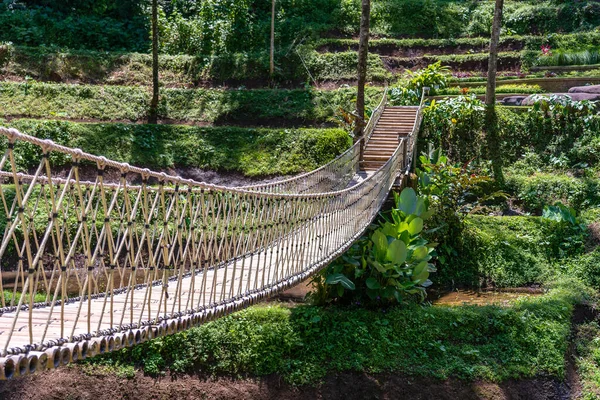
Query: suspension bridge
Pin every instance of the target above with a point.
(97, 264)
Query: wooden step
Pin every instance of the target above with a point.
(382, 158)
(390, 143)
(380, 150)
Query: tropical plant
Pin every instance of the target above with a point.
(434, 76)
(387, 266)
(455, 124)
(453, 191)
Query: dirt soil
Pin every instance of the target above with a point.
(72, 383)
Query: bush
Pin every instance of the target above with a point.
(389, 265)
(455, 125)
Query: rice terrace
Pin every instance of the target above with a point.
(316, 199)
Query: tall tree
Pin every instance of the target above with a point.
(272, 50)
(363, 52)
(491, 117)
(153, 117)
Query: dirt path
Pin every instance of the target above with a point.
(72, 383)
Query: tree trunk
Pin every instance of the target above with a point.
(491, 118)
(363, 52)
(153, 117)
(272, 52)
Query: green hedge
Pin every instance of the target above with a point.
(304, 344)
(463, 44)
(500, 89)
(253, 152)
(278, 107)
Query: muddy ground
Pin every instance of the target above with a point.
(72, 383)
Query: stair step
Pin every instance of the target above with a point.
(380, 150)
(382, 158)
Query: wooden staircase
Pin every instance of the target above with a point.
(394, 123)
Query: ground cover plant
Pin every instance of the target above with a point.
(388, 265)
(305, 343)
(250, 151)
(298, 107)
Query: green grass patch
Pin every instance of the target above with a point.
(500, 89)
(546, 188)
(242, 107)
(518, 251)
(587, 359)
(251, 151)
(9, 295)
(304, 344)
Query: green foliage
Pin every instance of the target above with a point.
(560, 132)
(69, 27)
(304, 344)
(253, 152)
(388, 265)
(516, 251)
(217, 28)
(587, 358)
(453, 192)
(433, 77)
(501, 89)
(268, 107)
(536, 191)
(455, 125)
(570, 57)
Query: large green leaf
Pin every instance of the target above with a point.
(396, 252)
(420, 253)
(408, 201)
(380, 242)
(334, 279)
(420, 273)
(416, 226)
(389, 229)
(373, 283)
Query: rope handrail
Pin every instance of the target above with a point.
(123, 262)
(346, 162)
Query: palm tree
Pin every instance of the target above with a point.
(491, 118)
(153, 117)
(363, 52)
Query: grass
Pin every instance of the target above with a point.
(535, 191)
(501, 89)
(570, 57)
(8, 296)
(306, 343)
(463, 44)
(587, 353)
(297, 107)
(250, 151)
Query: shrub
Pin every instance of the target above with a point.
(455, 125)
